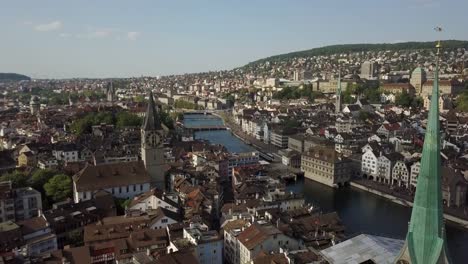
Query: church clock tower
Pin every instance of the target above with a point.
(152, 151)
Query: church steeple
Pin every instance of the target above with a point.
(110, 92)
(425, 240)
(152, 121)
(338, 105)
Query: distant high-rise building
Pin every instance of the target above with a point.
(339, 100)
(152, 138)
(300, 75)
(369, 69)
(426, 240)
(418, 77)
(34, 105)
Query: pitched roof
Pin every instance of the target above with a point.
(255, 234)
(157, 193)
(102, 176)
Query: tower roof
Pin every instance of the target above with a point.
(152, 121)
(426, 234)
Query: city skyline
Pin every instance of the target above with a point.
(55, 40)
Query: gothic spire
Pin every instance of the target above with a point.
(425, 240)
(152, 121)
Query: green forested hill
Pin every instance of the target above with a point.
(347, 48)
(13, 77)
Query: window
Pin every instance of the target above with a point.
(164, 220)
(134, 188)
(141, 187)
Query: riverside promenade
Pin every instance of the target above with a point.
(457, 216)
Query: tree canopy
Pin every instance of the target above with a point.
(406, 100)
(125, 119)
(59, 187)
(187, 105)
(18, 178)
(14, 77)
(84, 124)
(296, 93)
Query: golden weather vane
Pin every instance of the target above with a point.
(438, 46)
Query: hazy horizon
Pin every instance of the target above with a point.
(119, 39)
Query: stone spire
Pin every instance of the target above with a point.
(338, 105)
(152, 121)
(425, 241)
(110, 92)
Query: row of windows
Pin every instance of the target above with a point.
(119, 190)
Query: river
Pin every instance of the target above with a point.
(361, 212)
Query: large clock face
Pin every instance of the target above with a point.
(153, 139)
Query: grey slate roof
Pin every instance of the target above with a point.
(362, 248)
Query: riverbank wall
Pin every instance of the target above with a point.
(450, 218)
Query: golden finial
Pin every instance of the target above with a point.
(438, 45)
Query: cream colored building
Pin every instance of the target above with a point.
(325, 165)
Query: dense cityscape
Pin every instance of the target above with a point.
(130, 171)
(259, 132)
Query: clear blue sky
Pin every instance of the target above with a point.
(121, 38)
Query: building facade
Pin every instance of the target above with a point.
(326, 166)
(18, 204)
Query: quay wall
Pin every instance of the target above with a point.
(453, 219)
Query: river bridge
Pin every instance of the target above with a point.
(206, 128)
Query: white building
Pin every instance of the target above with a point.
(231, 230)
(263, 237)
(154, 199)
(18, 204)
(369, 164)
(209, 245)
(400, 174)
(123, 180)
(67, 153)
(385, 165)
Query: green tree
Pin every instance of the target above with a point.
(403, 99)
(462, 102)
(18, 179)
(363, 115)
(83, 125)
(121, 205)
(417, 102)
(59, 187)
(139, 98)
(166, 119)
(187, 105)
(372, 95)
(125, 119)
(75, 238)
(41, 177)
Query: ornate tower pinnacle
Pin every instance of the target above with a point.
(425, 241)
